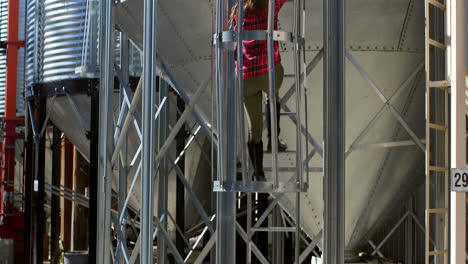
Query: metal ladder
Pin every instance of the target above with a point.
(234, 86)
(437, 138)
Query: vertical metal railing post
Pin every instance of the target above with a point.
(304, 68)
(334, 132)
(299, 165)
(297, 72)
(106, 51)
(149, 81)
(226, 118)
(272, 91)
(162, 172)
(240, 92)
(123, 169)
(219, 52)
(240, 86)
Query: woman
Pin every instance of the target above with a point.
(255, 75)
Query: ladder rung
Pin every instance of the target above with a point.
(438, 127)
(439, 84)
(437, 210)
(437, 44)
(288, 113)
(289, 75)
(440, 169)
(437, 4)
(440, 252)
(274, 229)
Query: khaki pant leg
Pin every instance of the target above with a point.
(253, 105)
(279, 76)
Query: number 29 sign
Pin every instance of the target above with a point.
(459, 180)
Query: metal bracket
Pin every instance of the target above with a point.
(77, 112)
(232, 36)
(259, 186)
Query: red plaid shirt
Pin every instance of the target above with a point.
(256, 51)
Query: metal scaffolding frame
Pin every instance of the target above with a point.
(112, 154)
(150, 167)
(153, 167)
(112, 150)
(221, 227)
(226, 149)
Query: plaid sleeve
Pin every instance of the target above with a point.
(280, 3)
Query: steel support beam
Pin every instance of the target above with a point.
(163, 170)
(93, 175)
(38, 188)
(28, 190)
(226, 201)
(149, 85)
(180, 190)
(456, 70)
(106, 55)
(334, 132)
(278, 238)
(55, 203)
(123, 169)
(226, 156)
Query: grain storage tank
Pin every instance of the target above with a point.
(58, 42)
(3, 37)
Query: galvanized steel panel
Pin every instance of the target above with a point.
(3, 61)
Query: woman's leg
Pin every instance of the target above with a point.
(253, 106)
(279, 76)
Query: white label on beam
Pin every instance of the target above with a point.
(459, 179)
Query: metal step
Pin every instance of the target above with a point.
(439, 84)
(274, 229)
(437, 4)
(437, 44)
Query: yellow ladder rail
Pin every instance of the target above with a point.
(437, 4)
(432, 168)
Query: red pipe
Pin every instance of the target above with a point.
(12, 224)
(10, 121)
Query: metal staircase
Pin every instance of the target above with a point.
(230, 114)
